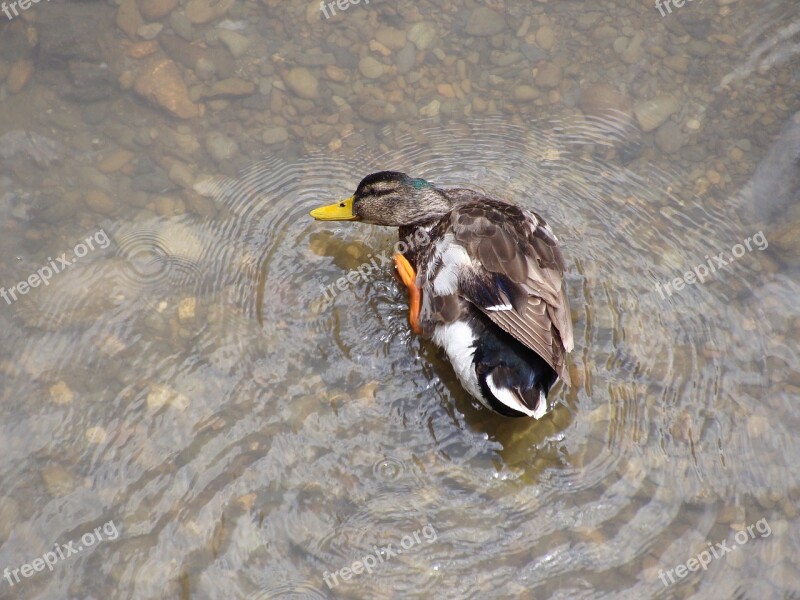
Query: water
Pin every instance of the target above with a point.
(183, 404)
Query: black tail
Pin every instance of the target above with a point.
(511, 365)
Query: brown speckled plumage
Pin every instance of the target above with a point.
(489, 285)
(515, 260)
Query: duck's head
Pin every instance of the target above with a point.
(388, 198)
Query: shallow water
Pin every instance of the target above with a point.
(183, 404)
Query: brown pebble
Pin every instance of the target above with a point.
(142, 49)
(100, 202)
(129, 19)
(545, 37)
(60, 393)
(335, 73)
(96, 435)
(446, 90)
(153, 10)
(19, 75)
(187, 308)
(524, 93)
(161, 83)
(376, 46)
(58, 481)
(247, 501)
(601, 99)
(549, 76)
(114, 161)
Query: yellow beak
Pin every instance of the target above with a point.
(341, 211)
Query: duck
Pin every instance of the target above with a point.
(485, 281)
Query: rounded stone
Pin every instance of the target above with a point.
(275, 135)
(370, 67)
(392, 38)
(549, 76)
(601, 99)
(651, 114)
(545, 38)
(221, 147)
(422, 35)
(100, 202)
(302, 82)
(669, 138)
(153, 10)
(236, 43)
(483, 21)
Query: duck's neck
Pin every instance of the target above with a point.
(432, 204)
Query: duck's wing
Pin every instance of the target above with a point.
(505, 260)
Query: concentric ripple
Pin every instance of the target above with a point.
(148, 260)
(389, 469)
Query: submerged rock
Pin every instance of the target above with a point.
(602, 100)
(153, 10)
(19, 75)
(236, 43)
(58, 480)
(651, 114)
(205, 11)
(91, 81)
(484, 21)
(302, 82)
(160, 83)
(41, 149)
(60, 393)
(775, 186)
(78, 36)
(129, 19)
(422, 35)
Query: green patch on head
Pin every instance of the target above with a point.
(421, 183)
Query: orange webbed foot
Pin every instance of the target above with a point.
(409, 279)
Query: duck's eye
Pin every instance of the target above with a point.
(342, 205)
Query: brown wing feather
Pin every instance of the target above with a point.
(516, 248)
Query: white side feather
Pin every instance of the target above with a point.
(454, 258)
(458, 342)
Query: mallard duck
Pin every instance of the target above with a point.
(485, 283)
